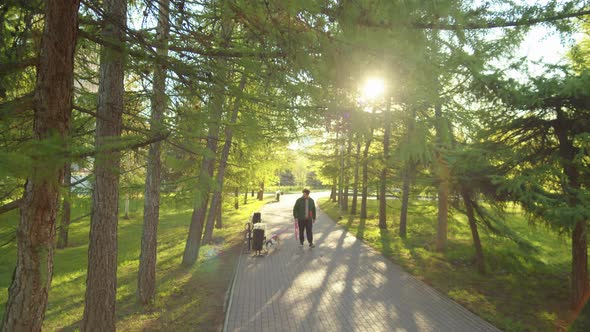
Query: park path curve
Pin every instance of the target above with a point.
(341, 285)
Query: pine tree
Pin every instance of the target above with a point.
(146, 283)
(101, 280)
(27, 295)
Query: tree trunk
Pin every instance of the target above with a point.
(237, 200)
(66, 211)
(126, 216)
(407, 177)
(479, 258)
(339, 191)
(218, 221)
(443, 186)
(31, 280)
(333, 191)
(443, 210)
(261, 192)
(579, 264)
(403, 217)
(193, 242)
(346, 177)
(146, 279)
(365, 180)
(568, 152)
(245, 197)
(355, 190)
(383, 180)
(101, 280)
(216, 201)
(340, 153)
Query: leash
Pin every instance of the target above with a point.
(280, 231)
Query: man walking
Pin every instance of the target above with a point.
(304, 214)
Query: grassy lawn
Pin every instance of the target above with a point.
(187, 299)
(525, 288)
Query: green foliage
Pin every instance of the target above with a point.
(533, 156)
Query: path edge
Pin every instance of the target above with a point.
(230, 292)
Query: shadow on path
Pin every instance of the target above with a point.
(342, 285)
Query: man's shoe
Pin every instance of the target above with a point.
(311, 245)
(301, 245)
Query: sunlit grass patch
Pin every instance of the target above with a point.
(186, 299)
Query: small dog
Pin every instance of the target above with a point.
(274, 240)
(272, 243)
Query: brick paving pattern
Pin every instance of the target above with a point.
(341, 285)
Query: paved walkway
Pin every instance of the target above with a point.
(341, 285)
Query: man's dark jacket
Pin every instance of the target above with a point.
(299, 209)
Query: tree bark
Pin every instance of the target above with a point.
(579, 264)
(261, 191)
(216, 201)
(568, 152)
(333, 191)
(355, 190)
(479, 258)
(66, 211)
(146, 280)
(383, 180)
(126, 216)
(407, 174)
(101, 280)
(340, 183)
(31, 280)
(346, 177)
(403, 217)
(193, 242)
(195, 234)
(443, 186)
(365, 179)
(218, 221)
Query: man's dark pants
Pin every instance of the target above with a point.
(305, 225)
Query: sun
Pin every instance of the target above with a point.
(373, 89)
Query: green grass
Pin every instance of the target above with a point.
(524, 289)
(186, 299)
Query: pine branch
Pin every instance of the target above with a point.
(77, 219)
(95, 115)
(501, 24)
(472, 26)
(9, 193)
(160, 137)
(10, 206)
(16, 106)
(7, 68)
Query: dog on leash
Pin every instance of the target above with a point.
(274, 241)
